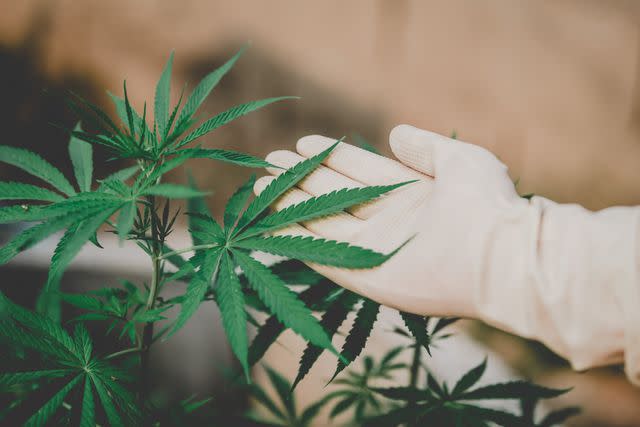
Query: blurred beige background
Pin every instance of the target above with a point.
(549, 86)
(552, 87)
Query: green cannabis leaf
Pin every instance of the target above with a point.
(417, 325)
(166, 136)
(161, 110)
(36, 166)
(226, 249)
(269, 331)
(80, 215)
(358, 335)
(227, 116)
(331, 320)
(81, 154)
(319, 206)
(69, 364)
(436, 404)
(355, 390)
(285, 412)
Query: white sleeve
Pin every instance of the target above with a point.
(581, 289)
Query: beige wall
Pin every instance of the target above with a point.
(549, 86)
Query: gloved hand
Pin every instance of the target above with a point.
(556, 273)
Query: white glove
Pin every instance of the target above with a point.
(556, 273)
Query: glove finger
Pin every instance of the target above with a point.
(356, 163)
(415, 147)
(324, 180)
(444, 158)
(339, 226)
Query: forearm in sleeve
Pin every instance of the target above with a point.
(573, 285)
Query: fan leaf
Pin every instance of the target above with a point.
(407, 415)
(20, 191)
(402, 393)
(227, 156)
(228, 116)
(197, 288)
(172, 191)
(512, 390)
(476, 414)
(40, 417)
(204, 88)
(343, 405)
(318, 250)
(125, 219)
(72, 242)
(11, 214)
(417, 325)
(40, 325)
(122, 111)
(469, 379)
(88, 411)
(331, 320)
(106, 400)
(319, 206)
(236, 202)
(83, 342)
(81, 154)
(203, 229)
(162, 98)
(280, 185)
(282, 302)
(261, 396)
(267, 334)
(14, 378)
(144, 181)
(231, 303)
(272, 327)
(35, 165)
(359, 334)
(559, 416)
(80, 202)
(39, 342)
(120, 175)
(65, 251)
(283, 388)
(197, 204)
(33, 235)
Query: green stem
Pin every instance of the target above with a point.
(122, 353)
(147, 333)
(155, 280)
(414, 372)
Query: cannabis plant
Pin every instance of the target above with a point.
(359, 399)
(52, 373)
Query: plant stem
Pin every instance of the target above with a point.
(414, 372)
(147, 333)
(122, 353)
